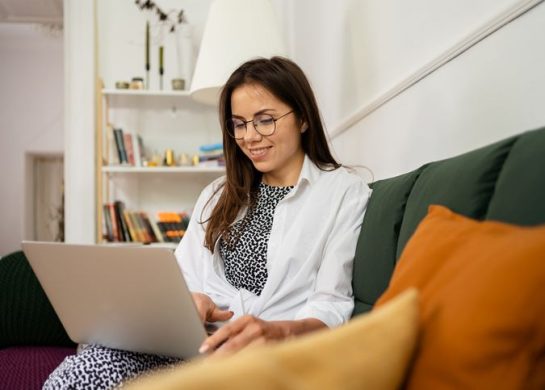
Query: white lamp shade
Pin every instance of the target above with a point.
(235, 32)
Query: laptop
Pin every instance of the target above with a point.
(132, 298)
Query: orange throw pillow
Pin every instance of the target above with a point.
(482, 317)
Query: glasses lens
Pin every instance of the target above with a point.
(264, 124)
(236, 128)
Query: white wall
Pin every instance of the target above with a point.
(31, 116)
(121, 35)
(355, 51)
(494, 90)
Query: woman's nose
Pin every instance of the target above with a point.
(251, 133)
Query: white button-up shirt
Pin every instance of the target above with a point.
(310, 251)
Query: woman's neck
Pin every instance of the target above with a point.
(284, 178)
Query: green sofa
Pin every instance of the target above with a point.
(504, 181)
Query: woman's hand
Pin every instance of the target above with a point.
(208, 311)
(250, 330)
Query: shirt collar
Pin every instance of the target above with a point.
(309, 172)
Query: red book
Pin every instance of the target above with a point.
(113, 219)
(128, 142)
(108, 231)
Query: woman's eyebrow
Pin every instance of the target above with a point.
(263, 111)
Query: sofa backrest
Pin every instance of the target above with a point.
(504, 181)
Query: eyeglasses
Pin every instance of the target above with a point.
(264, 124)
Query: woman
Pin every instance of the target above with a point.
(270, 245)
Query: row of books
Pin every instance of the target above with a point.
(127, 148)
(124, 148)
(211, 155)
(122, 225)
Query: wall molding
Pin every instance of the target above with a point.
(444, 58)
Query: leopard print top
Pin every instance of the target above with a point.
(244, 250)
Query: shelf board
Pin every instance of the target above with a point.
(167, 245)
(122, 169)
(145, 92)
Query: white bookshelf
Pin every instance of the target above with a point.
(165, 120)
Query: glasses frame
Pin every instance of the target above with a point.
(255, 126)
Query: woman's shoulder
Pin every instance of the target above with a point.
(211, 192)
(215, 185)
(343, 176)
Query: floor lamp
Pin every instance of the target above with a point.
(235, 31)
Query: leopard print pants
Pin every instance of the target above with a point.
(98, 367)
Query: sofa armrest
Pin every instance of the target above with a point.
(26, 315)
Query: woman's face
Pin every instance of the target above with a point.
(278, 156)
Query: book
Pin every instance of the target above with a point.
(129, 147)
(132, 229)
(137, 224)
(211, 155)
(156, 230)
(108, 234)
(111, 154)
(141, 229)
(172, 225)
(125, 234)
(120, 144)
(163, 230)
(211, 147)
(113, 219)
(147, 226)
(138, 145)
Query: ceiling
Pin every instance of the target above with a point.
(31, 11)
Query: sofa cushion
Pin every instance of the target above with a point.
(376, 250)
(520, 192)
(27, 368)
(26, 316)
(464, 184)
(482, 303)
(371, 352)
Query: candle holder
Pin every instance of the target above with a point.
(161, 67)
(178, 84)
(147, 55)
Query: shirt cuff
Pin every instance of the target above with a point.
(332, 314)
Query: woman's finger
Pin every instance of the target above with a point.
(219, 315)
(216, 339)
(224, 333)
(253, 330)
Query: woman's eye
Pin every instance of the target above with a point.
(264, 121)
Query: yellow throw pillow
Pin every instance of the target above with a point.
(371, 352)
(482, 286)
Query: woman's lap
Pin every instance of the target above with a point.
(97, 367)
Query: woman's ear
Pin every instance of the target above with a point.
(304, 127)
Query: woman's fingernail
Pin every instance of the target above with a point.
(204, 348)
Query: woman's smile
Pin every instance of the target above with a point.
(259, 153)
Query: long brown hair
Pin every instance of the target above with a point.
(285, 80)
